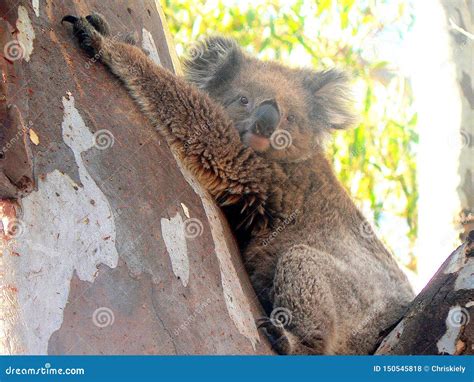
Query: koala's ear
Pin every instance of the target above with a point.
(332, 98)
(213, 62)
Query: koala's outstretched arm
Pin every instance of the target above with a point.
(191, 122)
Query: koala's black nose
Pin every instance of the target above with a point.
(267, 118)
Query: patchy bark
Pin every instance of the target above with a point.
(441, 318)
(460, 15)
(110, 247)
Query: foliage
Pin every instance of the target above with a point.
(376, 159)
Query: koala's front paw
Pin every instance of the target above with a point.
(89, 31)
(99, 23)
(276, 334)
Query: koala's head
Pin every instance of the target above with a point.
(282, 113)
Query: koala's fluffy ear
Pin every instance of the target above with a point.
(213, 62)
(332, 98)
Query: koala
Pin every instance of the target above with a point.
(252, 132)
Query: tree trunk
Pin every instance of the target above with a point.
(441, 318)
(109, 246)
(460, 17)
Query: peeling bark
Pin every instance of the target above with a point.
(460, 18)
(96, 253)
(441, 318)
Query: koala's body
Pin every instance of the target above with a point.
(252, 133)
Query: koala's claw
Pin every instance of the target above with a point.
(70, 19)
(99, 23)
(262, 322)
(275, 332)
(86, 32)
(95, 19)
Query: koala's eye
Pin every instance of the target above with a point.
(244, 100)
(291, 118)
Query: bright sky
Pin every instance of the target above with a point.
(424, 56)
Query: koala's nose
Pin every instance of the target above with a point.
(267, 118)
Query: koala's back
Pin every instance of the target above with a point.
(339, 284)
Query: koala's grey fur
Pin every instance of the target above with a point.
(326, 281)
